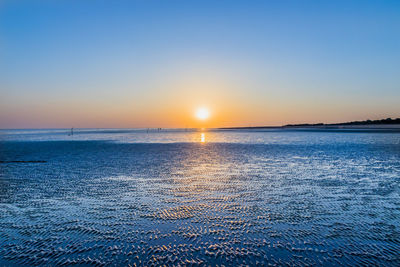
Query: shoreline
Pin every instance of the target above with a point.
(327, 127)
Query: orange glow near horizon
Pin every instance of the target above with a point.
(199, 100)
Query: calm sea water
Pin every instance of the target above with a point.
(126, 197)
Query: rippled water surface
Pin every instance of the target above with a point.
(126, 197)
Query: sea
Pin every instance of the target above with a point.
(193, 197)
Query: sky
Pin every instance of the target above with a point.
(140, 64)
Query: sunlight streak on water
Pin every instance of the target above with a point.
(203, 138)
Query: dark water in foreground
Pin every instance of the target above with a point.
(237, 198)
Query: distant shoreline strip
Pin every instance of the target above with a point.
(342, 129)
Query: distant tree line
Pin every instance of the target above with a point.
(383, 121)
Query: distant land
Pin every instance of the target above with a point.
(366, 124)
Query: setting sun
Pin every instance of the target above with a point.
(202, 114)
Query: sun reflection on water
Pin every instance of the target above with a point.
(202, 138)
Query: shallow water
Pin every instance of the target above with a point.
(120, 197)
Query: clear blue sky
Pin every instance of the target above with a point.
(151, 63)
